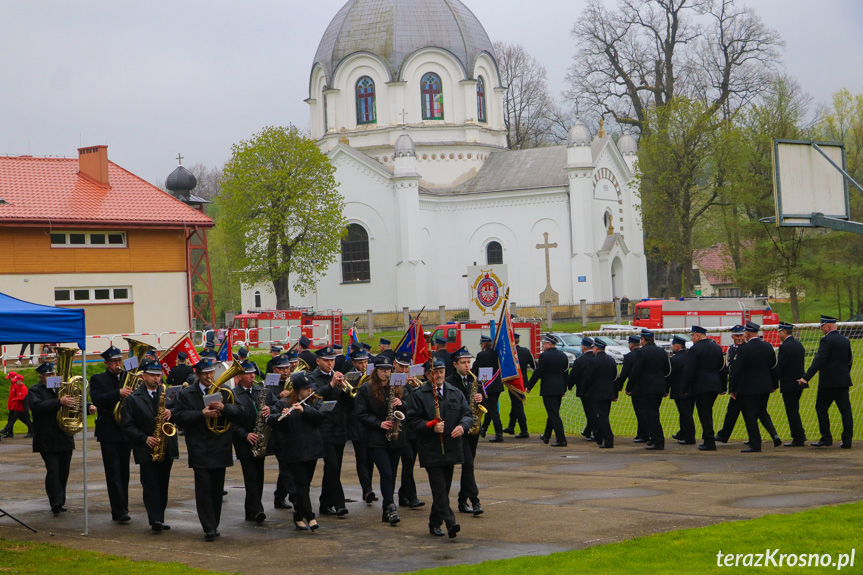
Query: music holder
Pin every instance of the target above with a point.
(5, 514)
(810, 186)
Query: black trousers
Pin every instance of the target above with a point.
(332, 494)
(751, 407)
(209, 484)
(589, 416)
(731, 414)
(704, 404)
(468, 488)
(791, 400)
(408, 486)
(253, 481)
(115, 460)
(155, 479)
(491, 403)
(440, 481)
(602, 426)
(285, 487)
(303, 471)
(825, 398)
(553, 422)
(56, 475)
(516, 413)
(649, 407)
(387, 462)
(641, 430)
(365, 465)
(685, 405)
(22, 416)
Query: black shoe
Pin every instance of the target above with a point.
(508, 430)
(281, 504)
(675, 436)
(224, 492)
(313, 525)
(498, 438)
(436, 531)
(260, 517)
(589, 438)
(750, 450)
(453, 531)
(821, 443)
(720, 439)
(795, 443)
(707, 447)
(559, 444)
(464, 508)
(342, 511)
(123, 518)
(327, 511)
(522, 435)
(655, 447)
(544, 439)
(166, 527)
(477, 509)
(369, 496)
(415, 504)
(157, 526)
(55, 510)
(746, 443)
(392, 514)
(777, 441)
(209, 536)
(215, 532)
(844, 445)
(686, 441)
(639, 440)
(300, 526)
(482, 432)
(606, 445)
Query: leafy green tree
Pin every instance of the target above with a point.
(281, 211)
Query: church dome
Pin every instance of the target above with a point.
(579, 135)
(405, 146)
(181, 181)
(627, 145)
(394, 29)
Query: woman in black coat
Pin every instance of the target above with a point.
(372, 411)
(301, 444)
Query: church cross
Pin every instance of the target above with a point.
(180, 159)
(546, 246)
(403, 114)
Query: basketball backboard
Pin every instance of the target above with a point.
(809, 177)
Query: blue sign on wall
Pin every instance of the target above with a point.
(582, 279)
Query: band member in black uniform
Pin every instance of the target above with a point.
(649, 371)
(305, 353)
(247, 395)
(209, 453)
(385, 349)
(833, 361)
(677, 391)
(625, 377)
(275, 352)
(376, 403)
(551, 369)
(461, 380)
(516, 405)
(359, 361)
(243, 357)
(703, 380)
(331, 387)
(285, 487)
(488, 358)
(576, 380)
(106, 389)
(49, 440)
(753, 379)
(293, 360)
(600, 389)
(301, 443)
(408, 487)
(439, 416)
(442, 354)
(732, 410)
(140, 412)
(790, 368)
(180, 373)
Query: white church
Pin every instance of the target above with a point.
(406, 100)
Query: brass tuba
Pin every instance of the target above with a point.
(70, 419)
(220, 425)
(133, 378)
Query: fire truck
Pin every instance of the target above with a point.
(264, 328)
(707, 312)
(459, 334)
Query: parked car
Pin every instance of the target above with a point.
(568, 343)
(852, 332)
(616, 348)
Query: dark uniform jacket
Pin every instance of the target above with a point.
(453, 411)
(457, 382)
(675, 380)
(300, 432)
(179, 374)
(649, 369)
(599, 378)
(105, 393)
(753, 371)
(47, 435)
(207, 450)
(625, 376)
(704, 369)
(525, 360)
(334, 427)
(486, 358)
(576, 374)
(446, 358)
(309, 357)
(390, 353)
(248, 400)
(139, 422)
(551, 369)
(790, 365)
(833, 361)
(370, 414)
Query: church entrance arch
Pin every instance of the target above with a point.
(617, 278)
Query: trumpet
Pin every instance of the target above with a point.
(220, 425)
(357, 377)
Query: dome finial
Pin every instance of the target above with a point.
(601, 133)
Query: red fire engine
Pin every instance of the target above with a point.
(285, 327)
(467, 334)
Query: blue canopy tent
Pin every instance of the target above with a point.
(25, 322)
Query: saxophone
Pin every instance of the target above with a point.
(476, 409)
(262, 430)
(393, 415)
(164, 429)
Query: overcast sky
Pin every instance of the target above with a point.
(151, 79)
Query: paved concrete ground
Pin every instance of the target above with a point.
(537, 500)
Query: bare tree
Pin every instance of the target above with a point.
(209, 181)
(527, 103)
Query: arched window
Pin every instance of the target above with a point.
(355, 255)
(432, 97)
(480, 100)
(494, 253)
(366, 110)
(258, 299)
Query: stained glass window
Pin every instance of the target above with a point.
(366, 107)
(432, 97)
(480, 100)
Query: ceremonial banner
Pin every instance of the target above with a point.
(487, 285)
(353, 338)
(507, 355)
(184, 344)
(225, 349)
(414, 341)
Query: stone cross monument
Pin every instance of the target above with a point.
(548, 294)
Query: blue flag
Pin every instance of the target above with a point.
(507, 355)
